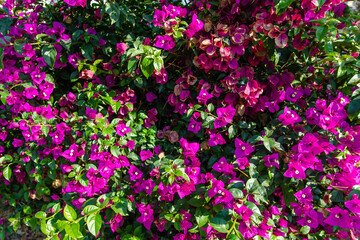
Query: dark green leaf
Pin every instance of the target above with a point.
(49, 54)
(147, 66)
(282, 4)
(132, 64)
(1, 58)
(219, 224)
(196, 202)
(288, 194)
(232, 131)
(201, 216)
(321, 32)
(115, 151)
(5, 24)
(354, 108)
(87, 51)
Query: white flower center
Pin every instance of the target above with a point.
(297, 172)
(243, 148)
(303, 196)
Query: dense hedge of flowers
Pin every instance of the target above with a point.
(128, 119)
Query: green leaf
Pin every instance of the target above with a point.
(45, 228)
(120, 207)
(328, 47)
(7, 173)
(288, 194)
(196, 202)
(130, 106)
(90, 209)
(40, 214)
(49, 54)
(19, 46)
(355, 79)
(158, 63)
(320, 3)
(232, 131)
(113, 10)
(94, 224)
(132, 64)
(69, 213)
(5, 24)
(237, 193)
(321, 32)
(73, 230)
(45, 129)
(1, 58)
(282, 4)
(305, 229)
(354, 108)
(219, 224)
(87, 51)
(269, 143)
(115, 151)
(201, 216)
(210, 107)
(147, 66)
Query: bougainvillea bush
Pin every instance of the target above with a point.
(229, 119)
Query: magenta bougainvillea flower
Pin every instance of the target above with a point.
(225, 116)
(135, 173)
(310, 219)
(204, 96)
(338, 217)
(144, 155)
(243, 162)
(190, 149)
(194, 126)
(272, 160)
(165, 42)
(37, 76)
(72, 153)
(289, 117)
(242, 149)
(147, 216)
(122, 129)
(216, 139)
(295, 170)
(354, 204)
(116, 222)
(304, 195)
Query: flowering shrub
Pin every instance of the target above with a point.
(144, 120)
